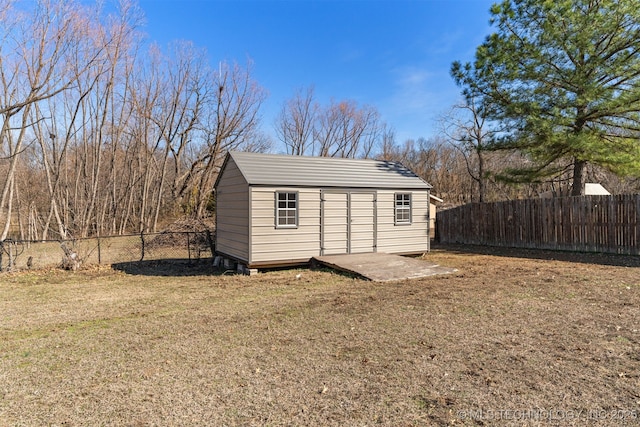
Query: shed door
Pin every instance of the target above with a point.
(348, 223)
(335, 227)
(361, 223)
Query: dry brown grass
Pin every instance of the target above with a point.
(555, 338)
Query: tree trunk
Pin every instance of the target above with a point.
(481, 181)
(9, 205)
(578, 177)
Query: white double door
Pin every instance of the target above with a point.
(348, 222)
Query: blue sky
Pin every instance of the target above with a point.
(394, 55)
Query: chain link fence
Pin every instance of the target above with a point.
(169, 246)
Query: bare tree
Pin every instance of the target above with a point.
(389, 148)
(115, 207)
(468, 131)
(34, 66)
(346, 130)
(178, 114)
(230, 122)
(145, 143)
(114, 139)
(295, 123)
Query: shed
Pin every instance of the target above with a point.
(279, 210)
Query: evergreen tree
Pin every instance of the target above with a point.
(564, 75)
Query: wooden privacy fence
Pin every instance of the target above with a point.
(586, 224)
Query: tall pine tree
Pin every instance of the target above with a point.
(565, 76)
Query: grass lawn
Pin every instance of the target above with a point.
(511, 338)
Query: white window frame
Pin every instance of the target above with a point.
(283, 212)
(402, 208)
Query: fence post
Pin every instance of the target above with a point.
(142, 246)
(11, 261)
(99, 253)
(213, 247)
(189, 245)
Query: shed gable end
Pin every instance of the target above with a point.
(232, 212)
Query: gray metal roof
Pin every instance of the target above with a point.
(302, 171)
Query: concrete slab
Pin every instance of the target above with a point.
(381, 267)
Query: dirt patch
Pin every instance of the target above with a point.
(514, 338)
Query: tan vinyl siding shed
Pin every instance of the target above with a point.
(278, 210)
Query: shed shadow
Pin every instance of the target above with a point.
(170, 267)
(596, 258)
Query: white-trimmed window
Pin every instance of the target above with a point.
(286, 209)
(403, 208)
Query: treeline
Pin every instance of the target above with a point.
(104, 135)
(455, 171)
(460, 162)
